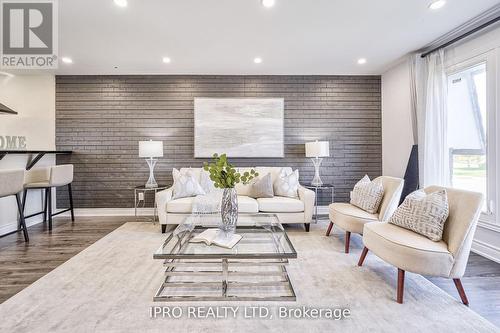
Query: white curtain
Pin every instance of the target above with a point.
(432, 121)
(415, 68)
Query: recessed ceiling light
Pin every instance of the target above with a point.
(67, 60)
(166, 60)
(437, 4)
(257, 60)
(361, 61)
(268, 3)
(121, 3)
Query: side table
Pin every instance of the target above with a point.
(316, 189)
(140, 197)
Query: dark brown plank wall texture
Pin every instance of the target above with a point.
(102, 118)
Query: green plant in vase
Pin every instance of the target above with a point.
(225, 176)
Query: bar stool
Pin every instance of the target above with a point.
(12, 184)
(46, 179)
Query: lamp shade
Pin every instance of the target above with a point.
(318, 149)
(150, 148)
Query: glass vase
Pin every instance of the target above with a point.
(229, 210)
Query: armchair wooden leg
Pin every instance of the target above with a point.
(163, 228)
(329, 229)
(363, 256)
(307, 225)
(401, 285)
(461, 291)
(347, 241)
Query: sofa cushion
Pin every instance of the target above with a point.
(349, 217)
(182, 205)
(185, 205)
(247, 204)
(280, 205)
(408, 250)
(262, 187)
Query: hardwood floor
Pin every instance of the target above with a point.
(482, 286)
(22, 264)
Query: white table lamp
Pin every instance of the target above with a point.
(316, 150)
(151, 149)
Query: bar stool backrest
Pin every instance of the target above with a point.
(37, 175)
(61, 175)
(11, 182)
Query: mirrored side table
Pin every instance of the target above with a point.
(140, 198)
(316, 189)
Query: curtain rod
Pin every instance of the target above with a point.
(462, 36)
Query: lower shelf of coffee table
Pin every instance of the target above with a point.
(226, 280)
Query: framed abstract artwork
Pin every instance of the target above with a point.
(239, 127)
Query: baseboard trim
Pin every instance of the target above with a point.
(11, 227)
(486, 250)
(111, 212)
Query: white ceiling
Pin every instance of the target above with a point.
(224, 36)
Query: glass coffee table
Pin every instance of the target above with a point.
(253, 270)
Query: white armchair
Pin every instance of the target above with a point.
(352, 219)
(412, 252)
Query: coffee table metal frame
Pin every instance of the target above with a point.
(225, 268)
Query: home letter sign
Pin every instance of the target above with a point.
(14, 142)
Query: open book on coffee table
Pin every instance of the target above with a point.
(216, 237)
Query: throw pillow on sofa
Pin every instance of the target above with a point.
(367, 194)
(206, 183)
(241, 188)
(185, 184)
(287, 184)
(423, 213)
(262, 187)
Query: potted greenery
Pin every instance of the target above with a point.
(225, 176)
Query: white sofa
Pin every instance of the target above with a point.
(289, 210)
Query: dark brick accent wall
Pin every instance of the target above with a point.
(102, 118)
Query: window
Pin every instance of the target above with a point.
(467, 133)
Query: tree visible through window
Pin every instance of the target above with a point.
(467, 130)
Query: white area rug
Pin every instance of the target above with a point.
(109, 288)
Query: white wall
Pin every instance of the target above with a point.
(33, 97)
(397, 137)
